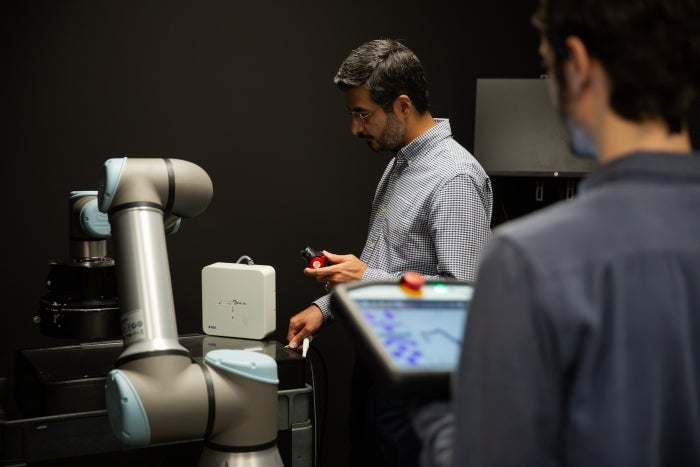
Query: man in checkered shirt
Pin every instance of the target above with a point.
(431, 213)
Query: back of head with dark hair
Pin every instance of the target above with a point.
(649, 48)
(388, 69)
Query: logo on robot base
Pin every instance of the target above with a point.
(132, 329)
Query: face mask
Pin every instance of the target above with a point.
(579, 142)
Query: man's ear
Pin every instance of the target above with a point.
(579, 66)
(402, 105)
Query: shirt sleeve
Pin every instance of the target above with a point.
(507, 396)
(324, 303)
(460, 226)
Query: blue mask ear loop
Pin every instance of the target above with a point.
(581, 145)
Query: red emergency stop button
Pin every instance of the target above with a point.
(412, 280)
(317, 262)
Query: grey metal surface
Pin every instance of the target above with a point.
(518, 132)
(143, 277)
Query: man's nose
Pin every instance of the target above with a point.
(356, 126)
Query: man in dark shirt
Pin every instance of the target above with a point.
(583, 340)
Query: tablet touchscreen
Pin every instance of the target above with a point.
(412, 338)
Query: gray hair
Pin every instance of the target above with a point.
(388, 69)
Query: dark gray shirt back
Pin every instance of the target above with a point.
(583, 339)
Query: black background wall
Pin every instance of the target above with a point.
(243, 89)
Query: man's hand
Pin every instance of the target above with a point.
(345, 268)
(304, 324)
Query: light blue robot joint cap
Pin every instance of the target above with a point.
(95, 222)
(109, 181)
(127, 415)
(254, 365)
(80, 193)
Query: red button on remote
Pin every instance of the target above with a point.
(317, 262)
(412, 280)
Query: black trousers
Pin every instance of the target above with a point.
(381, 433)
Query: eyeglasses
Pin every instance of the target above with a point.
(357, 115)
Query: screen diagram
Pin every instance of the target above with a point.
(418, 335)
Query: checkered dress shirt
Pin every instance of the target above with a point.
(431, 213)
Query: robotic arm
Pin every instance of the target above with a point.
(136, 193)
(82, 301)
(158, 394)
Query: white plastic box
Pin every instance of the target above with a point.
(238, 300)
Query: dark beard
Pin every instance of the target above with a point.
(393, 135)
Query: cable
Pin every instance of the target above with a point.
(315, 427)
(503, 210)
(247, 259)
(324, 410)
(305, 345)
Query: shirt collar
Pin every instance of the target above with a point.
(416, 148)
(651, 166)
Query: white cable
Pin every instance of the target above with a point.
(305, 345)
(247, 258)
